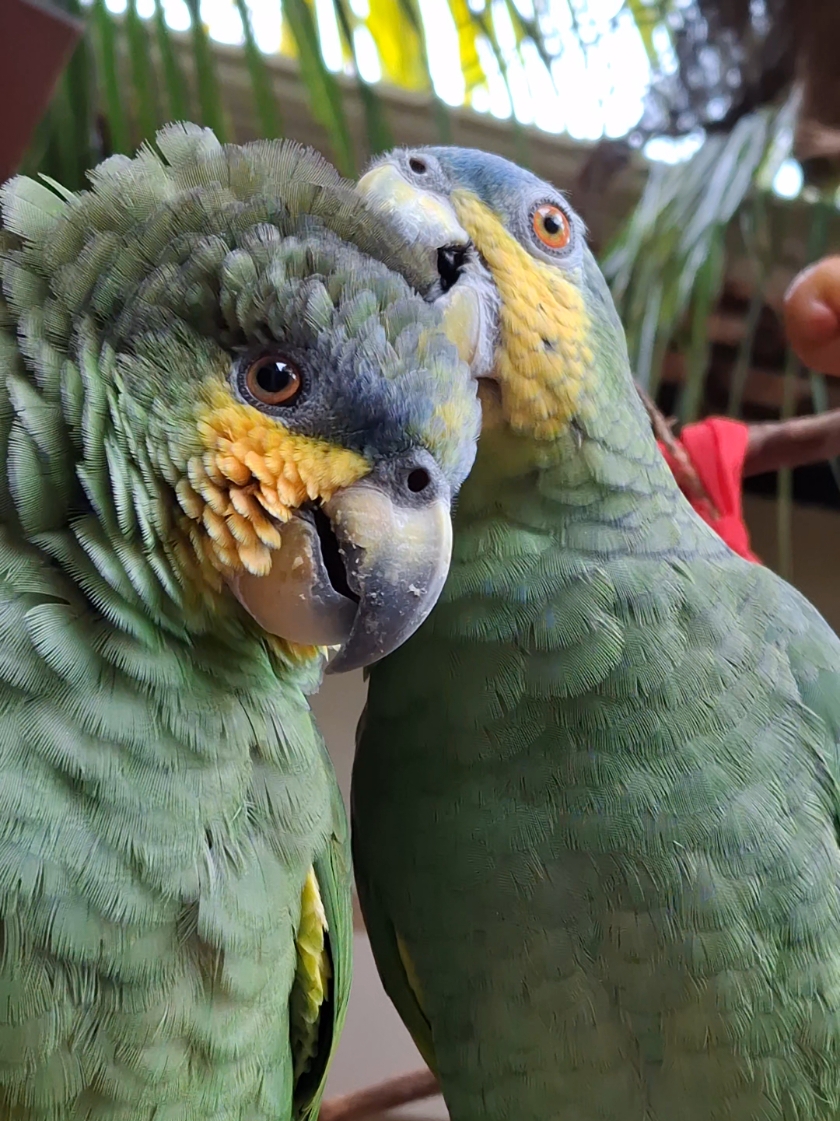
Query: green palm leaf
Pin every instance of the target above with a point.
(176, 91)
(265, 103)
(324, 94)
(209, 99)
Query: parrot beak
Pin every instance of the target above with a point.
(463, 321)
(397, 558)
(467, 298)
(362, 570)
(419, 215)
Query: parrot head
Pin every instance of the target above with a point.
(253, 382)
(547, 340)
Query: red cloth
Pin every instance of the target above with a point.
(717, 447)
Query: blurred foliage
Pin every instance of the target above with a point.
(669, 258)
(730, 71)
(757, 82)
(131, 74)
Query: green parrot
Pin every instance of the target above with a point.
(596, 798)
(231, 435)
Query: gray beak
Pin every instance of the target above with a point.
(363, 570)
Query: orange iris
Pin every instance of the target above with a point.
(552, 226)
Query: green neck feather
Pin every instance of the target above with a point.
(601, 488)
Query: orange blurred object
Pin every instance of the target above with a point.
(812, 316)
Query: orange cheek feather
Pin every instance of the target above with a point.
(253, 470)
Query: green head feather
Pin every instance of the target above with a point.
(131, 313)
(557, 347)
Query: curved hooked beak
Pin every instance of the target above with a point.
(467, 296)
(362, 570)
(419, 215)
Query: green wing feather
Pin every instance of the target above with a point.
(391, 956)
(334, 876)
(390, 961)
(811, 649)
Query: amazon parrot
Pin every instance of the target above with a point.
(231, 434)
(596, 798)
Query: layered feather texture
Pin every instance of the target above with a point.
(596, 813)
(173, 852)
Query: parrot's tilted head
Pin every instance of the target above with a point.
(550, 339)
(253, 397)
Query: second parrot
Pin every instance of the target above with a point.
(596, 800)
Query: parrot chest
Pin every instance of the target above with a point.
(643, 948)
(631, 883)
(152, 857)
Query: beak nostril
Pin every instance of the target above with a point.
(418, 480)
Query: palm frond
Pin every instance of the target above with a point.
(145, 98)
(166, 83)
(754, 231)
(176, 91)
(411, 16)
(324, 94)
(268, 112)
(105, 37)
(209, 97)
(668, 256)
(379, 135)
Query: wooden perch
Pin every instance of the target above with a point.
(405, 1088)
(771, 446)
(793, 443)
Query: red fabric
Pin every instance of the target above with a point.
(717, 448)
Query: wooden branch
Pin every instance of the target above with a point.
(405, 1088)
(771, 446)
(684, 470)
(792, 443)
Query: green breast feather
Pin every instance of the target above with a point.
(595, 797)
(197, 356)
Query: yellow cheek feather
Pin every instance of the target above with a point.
(253, 470)
(543, 359)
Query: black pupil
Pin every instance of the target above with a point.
(552, 224)
(274, 377)
(417, 165)
(418, 480)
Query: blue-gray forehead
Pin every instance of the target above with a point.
(489, 176)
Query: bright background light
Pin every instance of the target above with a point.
(595, 87)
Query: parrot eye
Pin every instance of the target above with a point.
(551, 226)
(273, 380)
(418, 166)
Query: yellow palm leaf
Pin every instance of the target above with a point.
(646, 17)
(398, 45)
(468, 29)
(288, 46)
